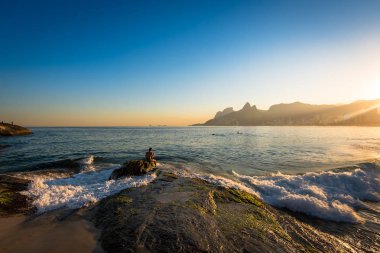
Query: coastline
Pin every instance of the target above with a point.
(178, 213)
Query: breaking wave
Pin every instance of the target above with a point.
(88, 163)
(334, 195)
(79, 190)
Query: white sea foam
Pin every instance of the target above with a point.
(332, 195)
(80, 190)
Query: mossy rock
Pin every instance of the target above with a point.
(11, 200)
(6, 198)
(123, 199)
(192, 215)
(238, 196)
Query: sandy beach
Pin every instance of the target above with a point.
(50, 232)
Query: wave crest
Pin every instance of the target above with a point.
(87, 163)
(80, 190)
(332, 195)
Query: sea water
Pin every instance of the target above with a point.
(325, 172)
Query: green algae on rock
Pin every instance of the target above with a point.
(178, 214)
(11, 200)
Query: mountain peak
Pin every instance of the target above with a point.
(226, 111)
(246, 106)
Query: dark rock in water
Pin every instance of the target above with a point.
(3, 146)
(66, 165)
(14, 183)
(176, 214)
(11, 201)
(133, 168)
(13, 130)
(61, 168)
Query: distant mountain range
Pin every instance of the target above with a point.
(359, 113)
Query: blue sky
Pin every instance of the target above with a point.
(178, 62)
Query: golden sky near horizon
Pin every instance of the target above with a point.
(187, 76)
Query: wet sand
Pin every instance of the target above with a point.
(47, 233)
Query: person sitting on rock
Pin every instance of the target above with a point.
(149, 156)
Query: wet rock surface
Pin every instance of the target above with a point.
(362, 237)
(11, 200)
(176, 214)
(133, 168)
(13, 130)
(70, 166)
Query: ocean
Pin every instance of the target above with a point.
(328, 173)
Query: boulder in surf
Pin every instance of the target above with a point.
(133, 168)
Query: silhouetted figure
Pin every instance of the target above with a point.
(149, 156)
(12, 123)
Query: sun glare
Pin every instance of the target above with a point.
(375, 89)
(372, 91)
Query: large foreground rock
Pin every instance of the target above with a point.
(175, 214)
(13, 130)
(133, 168)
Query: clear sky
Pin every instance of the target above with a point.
(100, 63)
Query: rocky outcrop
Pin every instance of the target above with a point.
(11, 200)
(13, 130)
(133, 168)
(176, 214)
